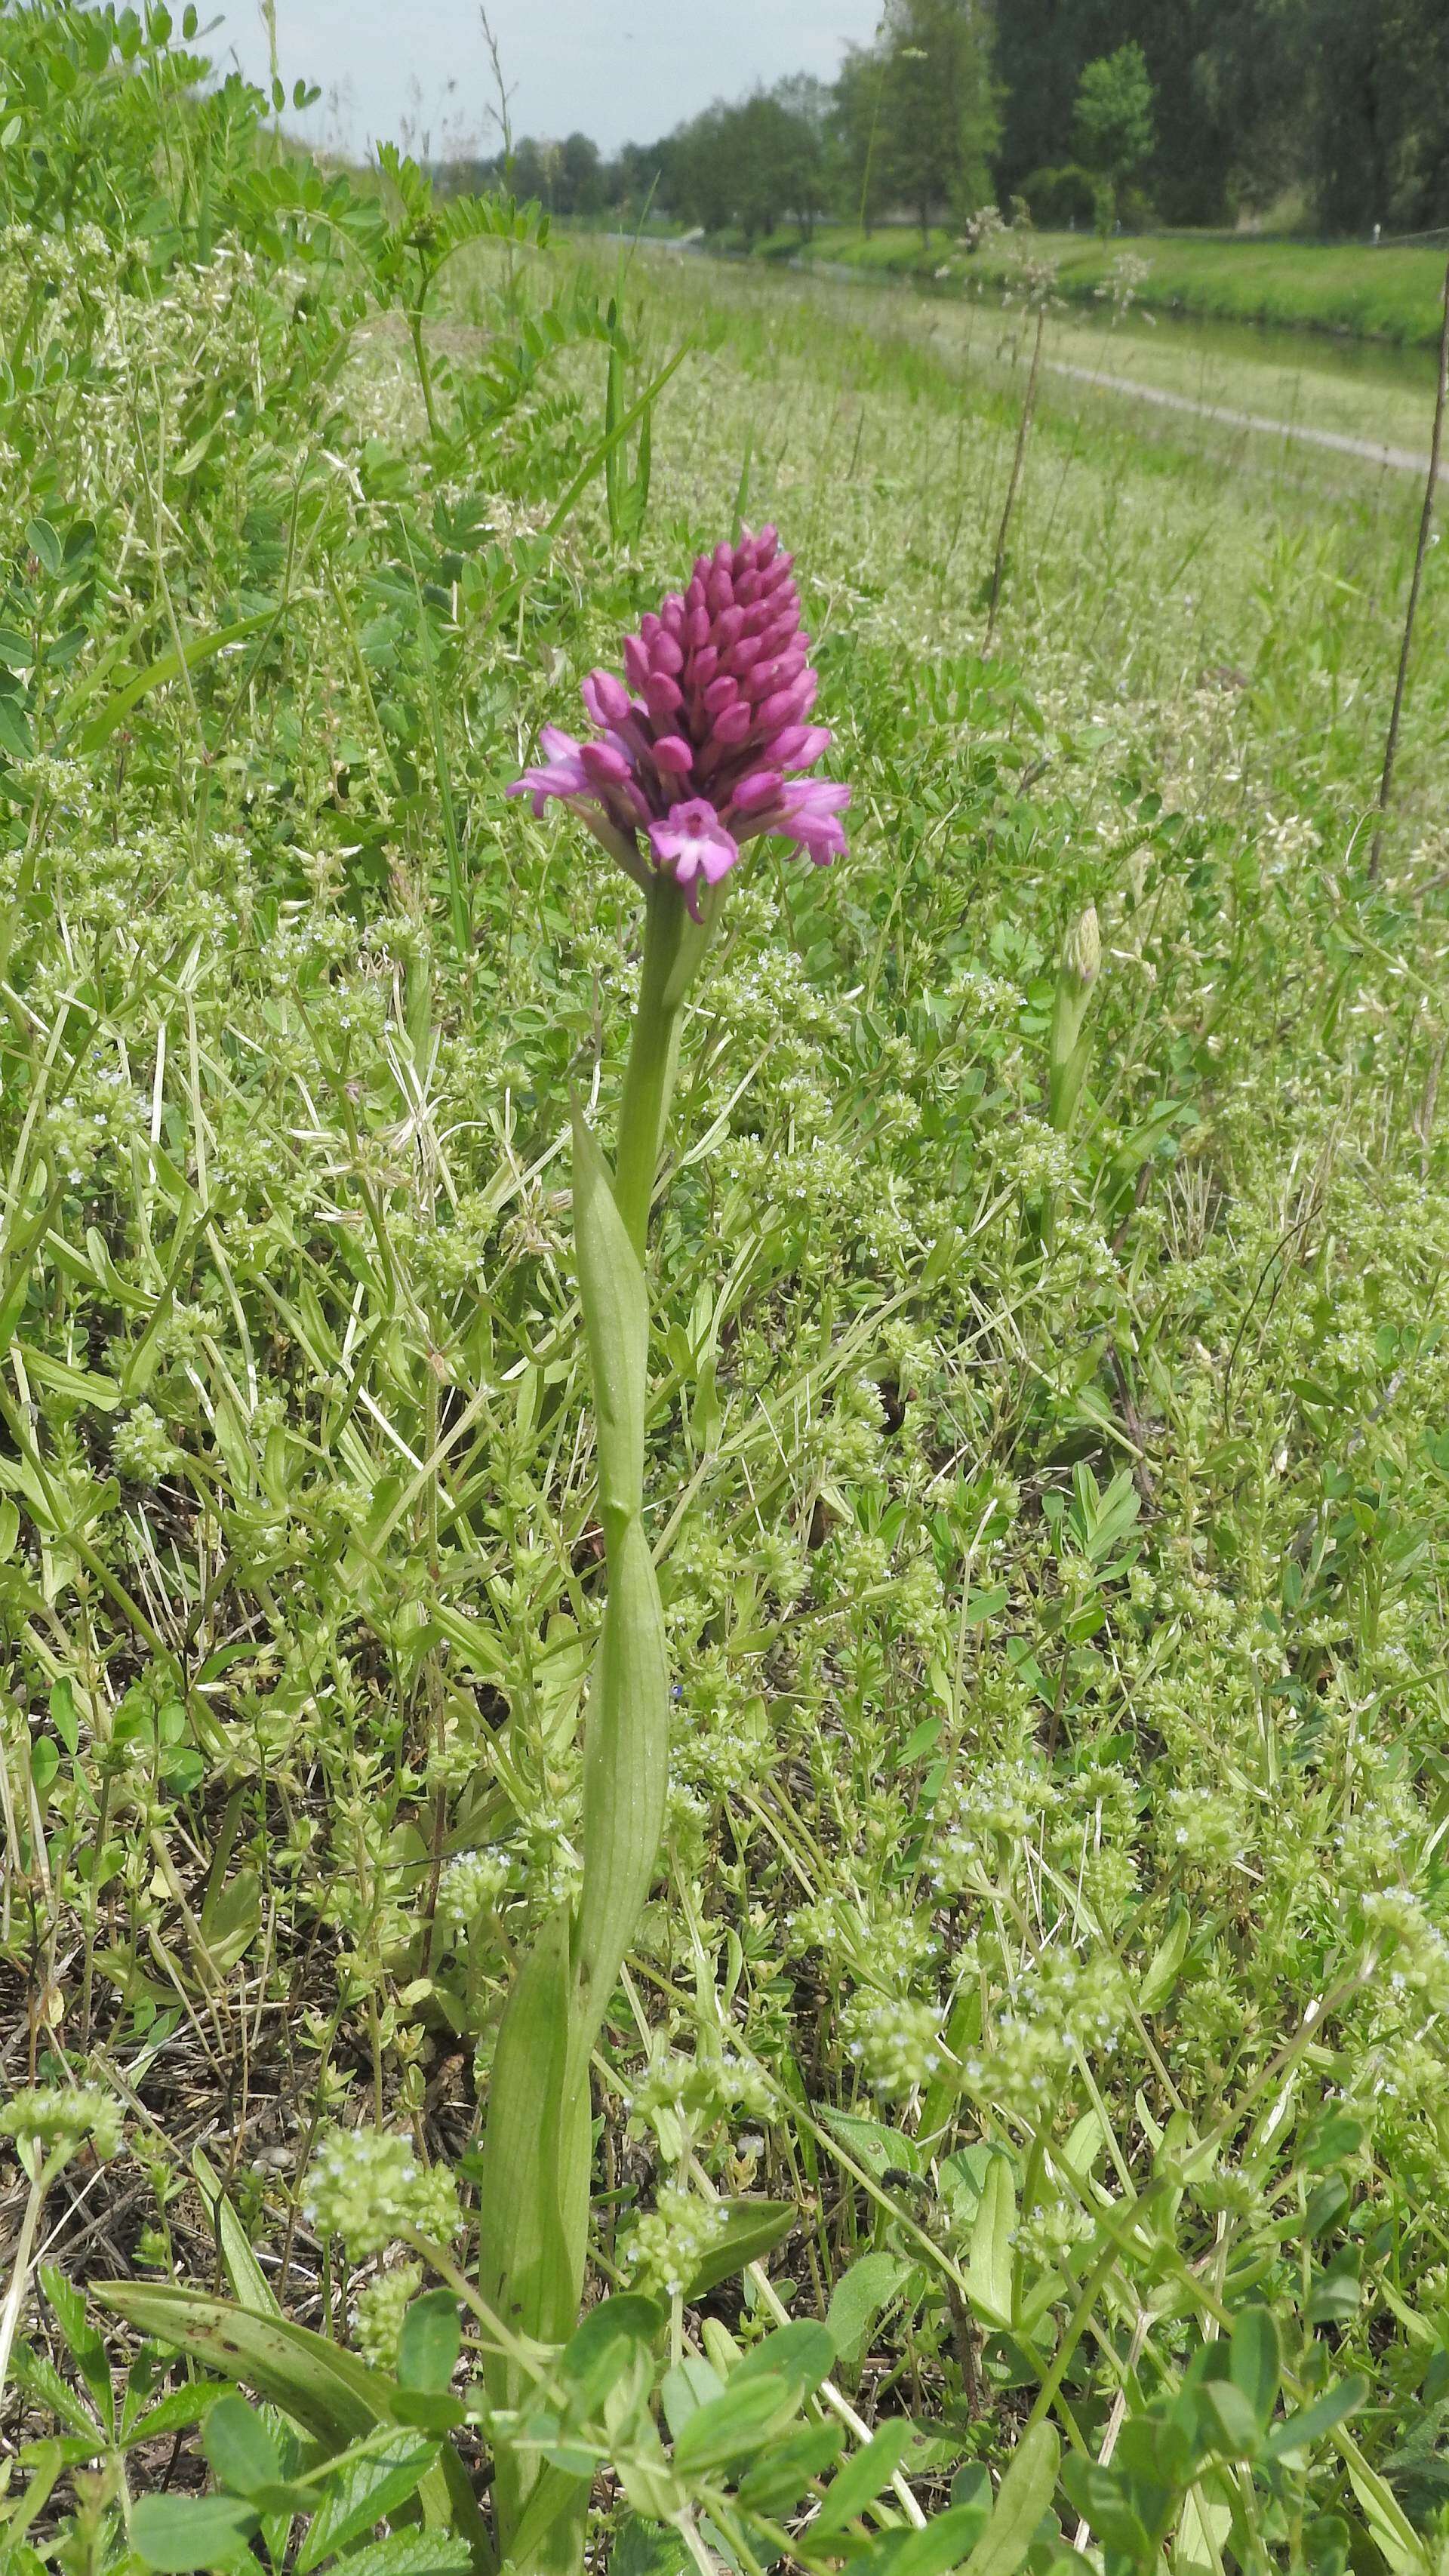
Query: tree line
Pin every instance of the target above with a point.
(1105, 111)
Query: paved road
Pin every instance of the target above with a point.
(1406, 459)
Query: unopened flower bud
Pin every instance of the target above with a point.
(1082, 954)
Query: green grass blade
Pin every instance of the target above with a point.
(169, 666)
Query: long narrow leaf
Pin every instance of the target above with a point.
(170, 665)
(324, 2389)
(626, 1780)
(534, 2196)
(249, 2285)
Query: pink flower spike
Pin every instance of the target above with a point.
(702, 745)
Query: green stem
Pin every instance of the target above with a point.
(420, 354)
(14, 2300)
(674, 946)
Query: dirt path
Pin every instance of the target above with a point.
(1405, 459)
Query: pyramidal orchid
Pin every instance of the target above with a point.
(701, 747)
(706, 746)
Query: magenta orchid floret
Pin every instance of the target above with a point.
(707, 751)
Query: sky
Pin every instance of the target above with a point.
(620, 70)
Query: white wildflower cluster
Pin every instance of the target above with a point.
(379, 2312)
(367, 2187)
(780, 1565)
(472, 1885)
(890, 1945)
(1205, 1827)
(984, 1817)
(1416, 1954)
(715, 2085)
(1037, 1159)
(46, 2117)
(984, 997)
(668, 2245)
(1053, 2231)
(724, 1740)
(142, 1449)
(1063, 2007)
(895, 2040)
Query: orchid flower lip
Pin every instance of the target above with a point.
(702, 745)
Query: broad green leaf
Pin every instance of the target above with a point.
(990, 2269)
(858, 2298)
(67, 2305)
(1299, 2432)
(232, 1918)
(326, 2390)
(556, 2493)
(1256, 2362)
(606, 2348)
(1234, 2415)
(626, 1780)
(408, 2553)
(176, 2534)
(750, 2229)
(1026, 2493)
(616, 1323)
(1389, 2526)
(801, 2354)
(647, 2549)
(240, 2448)
(45, 545)
(368, 2483)
(733, 2423)
(863, 2477)
(1167, 1959)
(872, 2145)
(692, 2383)
(534, 2192)
(944, 2543)
(429, 2343)
(329, 2392)
(777, 2482)
(17, 742)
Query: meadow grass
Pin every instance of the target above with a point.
(1051, 1527)
(1390, 291)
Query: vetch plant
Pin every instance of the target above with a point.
(701, 752)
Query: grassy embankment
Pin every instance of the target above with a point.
(1051, 1528)
(1389, 293)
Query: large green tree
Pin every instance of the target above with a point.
(938, 121)
(1380, 134)
(1114, 129)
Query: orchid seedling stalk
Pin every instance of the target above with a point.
(1077, 973)
(701, 748)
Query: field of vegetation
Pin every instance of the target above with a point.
(1010, 2131)
(1392, 292)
